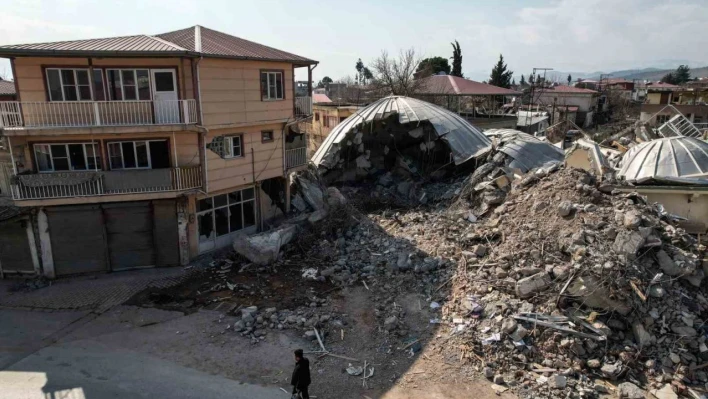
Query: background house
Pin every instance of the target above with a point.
(7, 90)
(563, 96)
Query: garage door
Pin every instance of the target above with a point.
(166, 235)
(78, 242)
(129, 227)
(15, 255)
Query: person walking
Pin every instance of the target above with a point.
(301, 376)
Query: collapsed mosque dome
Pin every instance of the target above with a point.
(398, 131)
(676, 160)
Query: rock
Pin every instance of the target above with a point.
(310, 335)
(656, 291)
(404, 188)
(629, 391)
(390, 323)
(263, 249)
(402, 262)
(593, 363)
(489, 372)
(627, 243)
(509, 325)
(666, 392)
(683, 330)
(499, 379)
(667, 264)
(479, 250)
(590, 208)
(330, 271)
(311, 192)
(239, 326)
(557, 382)
(632, 220)
(641, 336)
(565, 208)
(317, 216)
(495, 197)
(539, 206)
(676, 359)
(611, 370)
(334, 197)
(528, 286)
(599, 388)
(519, 333)
(292, 319)
(248, 319)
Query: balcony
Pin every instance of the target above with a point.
(31, 114)
(303, 106)
(295, 157)
(99, 183)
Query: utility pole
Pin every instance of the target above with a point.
(533, 89)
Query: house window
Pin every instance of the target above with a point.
(143, 154)
(69, 84)
(661, 119)
(266, 136)
(67, 157)
(233, 146)
(272, 86)
(227, 213)
(128, 84)
(317, 116)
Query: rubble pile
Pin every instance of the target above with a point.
(566, 281)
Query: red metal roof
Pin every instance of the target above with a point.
(196, 40)
(7, 87)
(454, 85)
(320, 98)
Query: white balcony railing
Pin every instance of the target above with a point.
(16, 114)
(295, 157)
(303, 106)
(89, 184)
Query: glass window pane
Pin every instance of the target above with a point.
(114, 156)
(220, 200)
(44, 161)
(92, 156)
(143, 84)
(55, 93)
(67, 77)
(85, 93)
(82, 77)
(235, 197)
(76, 156)
(128, 77)
(279, 84)
(98, 91)
(249, 214)
(235, 217)
(264, 85)
(130, 93)
(61, 164)
(204, 204)
(164, 81)
(114, 85)
(221, 218)
(141, 148)
(58, 150)
(247, 194)
(206, 227)
(70, 93)
(236, 146)
(128, 155)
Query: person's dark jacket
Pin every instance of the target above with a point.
(301, 374)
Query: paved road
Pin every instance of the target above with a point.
(36, 363)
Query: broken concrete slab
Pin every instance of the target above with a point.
(262, 249)
(528, 286)
(595, 295)
(627, 243)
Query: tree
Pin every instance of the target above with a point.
(513, 82)
(456, 60)
(531, 82)
(682, 74)
(363, 73)
(500, 76)
(522, 82)
(433, 66)
(570, 79)
(324, 82)
(395, 76)
(669, 78)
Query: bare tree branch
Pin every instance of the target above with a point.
(396, 76)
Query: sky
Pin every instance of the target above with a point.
(566, 35)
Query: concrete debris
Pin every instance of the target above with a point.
(264, 248)
(630, 391)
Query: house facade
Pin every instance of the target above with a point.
(147, 151)
(585, 100)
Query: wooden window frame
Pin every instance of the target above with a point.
(228, 144)
(62, 85)
(272, 136)
(282, 81)
(97, 155)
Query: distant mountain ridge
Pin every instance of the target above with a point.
(651, 74)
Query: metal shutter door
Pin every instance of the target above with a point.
(130, 239)
(78, 244)
(15, 255)
(165, 233)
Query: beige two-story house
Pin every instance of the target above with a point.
(146, 150)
